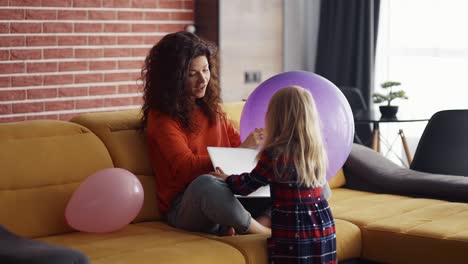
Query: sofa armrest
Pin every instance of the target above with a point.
(367, 170)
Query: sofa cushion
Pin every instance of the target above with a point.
(128, 149)
(18, 250)
(432, 234)
(348, 238)
(338, 180)
(42, 162)
(149, 211)
(417, 230)
(150, 242)
(119, 132)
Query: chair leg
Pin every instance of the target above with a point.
(357, 139)
(405, 146)
(376, 137)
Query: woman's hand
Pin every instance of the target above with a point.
(219, 173)
(255, 139)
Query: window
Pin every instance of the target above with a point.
(423, 44)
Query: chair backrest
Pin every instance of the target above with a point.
(355, 99)
(443, 147)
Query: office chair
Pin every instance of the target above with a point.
(443, 147)
(363, 132)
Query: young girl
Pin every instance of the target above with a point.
(293, 162)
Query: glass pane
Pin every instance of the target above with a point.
(423, 45)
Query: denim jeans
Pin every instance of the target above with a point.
(206, 205)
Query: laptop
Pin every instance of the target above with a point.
(237, 161)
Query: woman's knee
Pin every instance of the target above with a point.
(206, 184)
(218, 203)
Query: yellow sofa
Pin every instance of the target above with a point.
(405, 216)
(42, 162)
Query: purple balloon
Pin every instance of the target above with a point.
(334, 110)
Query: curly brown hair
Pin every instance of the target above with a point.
(164, 76)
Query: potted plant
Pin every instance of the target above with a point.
(388, 110)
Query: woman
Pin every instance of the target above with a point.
(182, 115)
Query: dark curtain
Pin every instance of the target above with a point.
(346, 43)
(346, 46)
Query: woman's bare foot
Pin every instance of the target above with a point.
(227, 231)
(264, 220)
(257, 228)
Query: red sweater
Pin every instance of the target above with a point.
(177, 157)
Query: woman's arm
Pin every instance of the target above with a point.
(233, 133)
(254, 140)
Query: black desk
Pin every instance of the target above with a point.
(375, 119)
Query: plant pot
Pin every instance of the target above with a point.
(388, 111)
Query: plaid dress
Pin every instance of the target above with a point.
(303, 230)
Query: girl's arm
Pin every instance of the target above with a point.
(247, 183)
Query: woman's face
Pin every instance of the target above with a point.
(198, 77)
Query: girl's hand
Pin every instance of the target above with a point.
(219, 173)
(255, 139)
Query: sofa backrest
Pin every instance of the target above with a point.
(128, 147)
(128, 150)
(41, 163)
(119, 132)
(234, 112)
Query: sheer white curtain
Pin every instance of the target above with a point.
(301, 25)
(424, 45)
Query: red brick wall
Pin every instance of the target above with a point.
(59, 58)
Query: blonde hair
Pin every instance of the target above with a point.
(293, 132)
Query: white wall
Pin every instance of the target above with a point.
(250, 39)
(266, 36)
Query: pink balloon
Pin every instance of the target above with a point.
(106, 201)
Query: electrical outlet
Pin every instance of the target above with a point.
(258, 76)
(252, 77)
